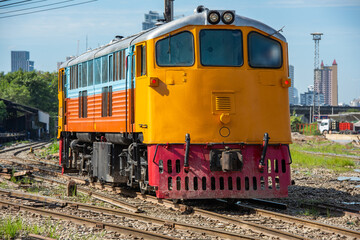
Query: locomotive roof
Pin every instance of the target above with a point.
(195, 19)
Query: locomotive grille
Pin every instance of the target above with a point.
(223, 103)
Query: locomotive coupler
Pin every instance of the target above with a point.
(263, 155)
(187, 148)
(231, 160)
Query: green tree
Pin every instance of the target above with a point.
(294, 121)
(3, 112)
(34, 89)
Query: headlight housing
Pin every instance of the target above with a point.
(228, 17)
(214, 17)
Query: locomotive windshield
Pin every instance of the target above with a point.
(221, 47)
(264, 52)
(176, 50)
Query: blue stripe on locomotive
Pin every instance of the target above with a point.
(118, 85)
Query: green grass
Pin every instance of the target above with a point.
(10, 228)
(94, 236)
(82, 198)
(304, 160)
(52, 149)
(13, 227)
(4, 185)
(311, 212)
(326, 147)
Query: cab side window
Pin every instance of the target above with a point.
(264, 52)
(175, 50)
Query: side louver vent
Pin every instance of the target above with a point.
(223, 103)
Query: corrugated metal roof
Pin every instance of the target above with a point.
(349, 117)
(195, 19)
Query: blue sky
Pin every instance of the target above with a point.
(51, 36)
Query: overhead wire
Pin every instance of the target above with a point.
(24, 4)
(15, 3)
(48, 9)
(46, 5)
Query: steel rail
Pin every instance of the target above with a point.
(20, 147)
(35, 236)
(33, 197)
(354, 157)
(254, 227)
(220, 217)
(344, 209)
(36, 161)
(89, 222)
(102, 197)
(40, 162)
(96, 185)
(176, 225)
(33, 146)
(324, 207)
(99, 196)
(307, 223)
(266, 203)
(136, 216)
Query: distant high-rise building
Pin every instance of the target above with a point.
(31, 66)
(293, 99)
(60, 63)
(296, 96)
(21, 60)
(307, 98)
(328, 84)
(355, 102)
(150, 20)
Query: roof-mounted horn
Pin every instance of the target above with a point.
(200, 9)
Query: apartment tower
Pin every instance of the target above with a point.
(328, 84)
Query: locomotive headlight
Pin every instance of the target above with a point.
(228, 17)
(214, 17)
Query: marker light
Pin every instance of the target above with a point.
(214, 17)
(286, 82)
(228, 17)
(154, 82)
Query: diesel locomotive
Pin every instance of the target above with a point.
(193, 108)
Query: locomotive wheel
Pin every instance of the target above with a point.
(177, 201)
(143, 187)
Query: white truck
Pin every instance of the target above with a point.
(327, 125)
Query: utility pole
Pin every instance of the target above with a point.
(169, 10)
(317, 78)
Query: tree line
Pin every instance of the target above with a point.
(34, 89)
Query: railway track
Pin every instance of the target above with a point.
(87, 221)
(34, 145)
(304, 222)
(119, 213)
(258, 228)
(353, 157)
